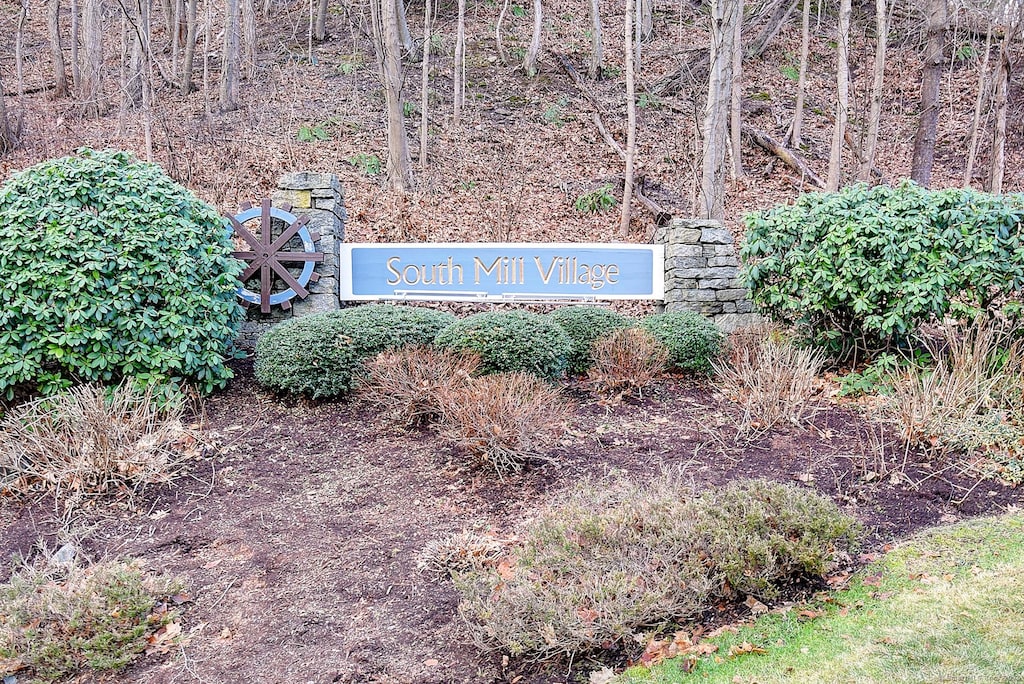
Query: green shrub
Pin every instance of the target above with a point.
(59, 621)
(861, 269)
(511, 341)
(585, 325)
(693, 341)
(605, 563)
(760, 534)
(322, 355)
(112, 270)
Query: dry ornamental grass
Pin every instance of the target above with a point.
(86, 442)
(627, 361)
(502, 421)
(409, 383)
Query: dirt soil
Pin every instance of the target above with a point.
(298, 531)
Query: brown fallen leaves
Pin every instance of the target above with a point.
(681, 644)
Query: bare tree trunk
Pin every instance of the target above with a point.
(736, 101)
(60, 72)
(627, 188)
(716, 112)
(249, 39)
(19, 53)
(645, 20)
(877, 81)
(132, 86)
(795, 136)
(979, 101)
(835, 158)
(192, 28)
(783, 9)
(230, 68)
(320, 32)
(165, 6)
(425, 82)
(931, 80)
(145, 34)
(76, 70)
(94, 104)
(1002, 79)
(497, 33)
(533, 53)
(179, 34)
(408, 45)
(597, 46)
(8, 139)
(459, 76)
(207, 91)
(384, 15)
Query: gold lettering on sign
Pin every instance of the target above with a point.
(505, 270)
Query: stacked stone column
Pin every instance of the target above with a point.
(702, 273)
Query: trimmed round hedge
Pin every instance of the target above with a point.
(509, 341)
(585, 325)
(322, 355)
(112, 270)
(693, 341)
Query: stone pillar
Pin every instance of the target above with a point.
(702, 273)
(318, 196)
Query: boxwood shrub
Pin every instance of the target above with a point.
(111, 269)
(322, 355)
(585, 325)
(509, 341)
(862, 268)
(693, 340)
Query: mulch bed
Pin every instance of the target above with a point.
(298, 531)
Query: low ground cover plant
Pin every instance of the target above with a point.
(693, 340)
(91, 441)
(626, 361)
(410, 383)
(511, 341)
(943, 606)
(502, 421)
(112, 270)
(770, 376)
(860, 269)
(585, 325)
(606, 562)
(57, 621)
(322, 355)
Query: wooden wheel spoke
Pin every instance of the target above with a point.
(289, 233)
(265, 278)
(299, 256)
(287, 277)
(244, 233)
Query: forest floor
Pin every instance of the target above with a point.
(299, 530)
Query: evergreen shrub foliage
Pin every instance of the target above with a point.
(862, 268)
(585, 325)
(510, 341)
(693, 341)
(608, 563)
(112, 270)
(322, 355)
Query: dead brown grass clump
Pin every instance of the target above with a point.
(409, 383)
(971, 400)
(772, 378)
(627, 361)
(502, 421)
(90, 442)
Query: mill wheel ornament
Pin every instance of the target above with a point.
(274, 257)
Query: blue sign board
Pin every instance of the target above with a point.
(502, 271)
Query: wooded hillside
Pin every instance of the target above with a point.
(529, 137)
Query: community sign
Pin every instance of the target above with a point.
(486, 271)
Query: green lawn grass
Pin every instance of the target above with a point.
(945, 606)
